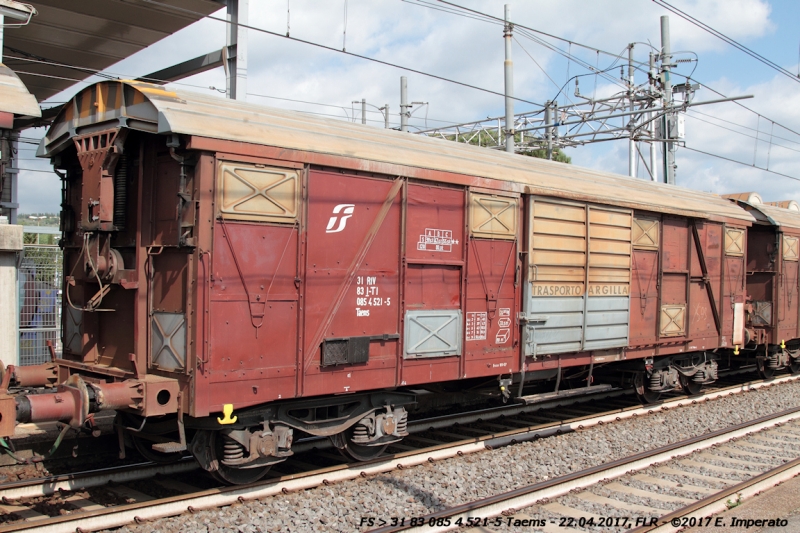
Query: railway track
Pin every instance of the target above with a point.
(689, 467)
(33, 501)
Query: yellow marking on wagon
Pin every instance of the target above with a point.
(227, 410)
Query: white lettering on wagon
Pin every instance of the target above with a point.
(368, 295)
(436, 240)
(476, 326)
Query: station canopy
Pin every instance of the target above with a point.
(93, 34)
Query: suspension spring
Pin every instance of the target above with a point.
(360, 431)
(232, 450)
(402, 424)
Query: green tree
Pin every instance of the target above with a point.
(42, 220)
(541, 153)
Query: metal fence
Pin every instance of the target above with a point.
(39, 303)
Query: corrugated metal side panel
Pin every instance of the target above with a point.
(563, 330)
(557, 275)
(607, 322)
(579, 276)
(558, 243)
(608, 298)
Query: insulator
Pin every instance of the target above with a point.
(232, 450)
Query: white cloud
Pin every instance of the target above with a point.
(472, 51)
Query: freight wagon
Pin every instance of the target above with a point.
(236, 276)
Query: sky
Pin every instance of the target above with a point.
(418, 34)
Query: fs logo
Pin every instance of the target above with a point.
(341, 213)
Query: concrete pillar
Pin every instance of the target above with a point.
(10, 248)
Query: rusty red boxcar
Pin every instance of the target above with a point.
(773, 281)
(237, 275)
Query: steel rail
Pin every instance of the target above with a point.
(717, 503)
(49, 485)
(146, 511)
(529, 495)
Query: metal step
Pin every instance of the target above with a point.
(169, 447)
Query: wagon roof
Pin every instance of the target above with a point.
(152, 108)
(14, 96)
(776, 216)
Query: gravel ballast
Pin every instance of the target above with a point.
(418, 491)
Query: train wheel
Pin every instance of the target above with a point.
(794, 366)
(764, 371)
(690, 387)
(649, 396)
(223, 447)
(645, 395)
(359, 452)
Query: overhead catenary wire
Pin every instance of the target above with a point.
(45, 59)
(540, 67)
(787, 128)
(332, 49)
(450, 10)
(741, 163)
(481, 16)
(118, 76)
(568, 54)
(772, 143)
(702, 25)
(695, 111)
(639, 65)
(570, 57)
(495, 20)
(520, 30)
(528, 33)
